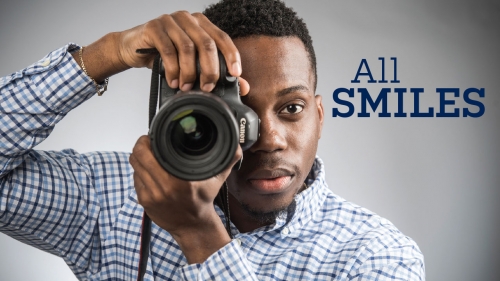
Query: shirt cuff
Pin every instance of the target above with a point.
(229, 263)
(60, 80)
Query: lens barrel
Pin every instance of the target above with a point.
(194, 135)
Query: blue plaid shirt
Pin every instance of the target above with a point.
(83, 207)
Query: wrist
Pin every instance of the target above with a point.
(101, 58)
(201, 242)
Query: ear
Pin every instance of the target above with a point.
(319, 107)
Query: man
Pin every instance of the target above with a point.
(286, 223)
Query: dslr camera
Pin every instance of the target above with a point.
(195, 134)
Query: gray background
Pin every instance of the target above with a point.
(436, 179)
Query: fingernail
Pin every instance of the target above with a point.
(236, 69)
(208, 87)
(174, 84)
(186, 87)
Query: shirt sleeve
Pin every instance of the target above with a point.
(47, 198)
(34, 99)
(400, 259)
(229, 263)
(389, 256)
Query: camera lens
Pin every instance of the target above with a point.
(193, 134)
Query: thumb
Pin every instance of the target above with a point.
(236, 158)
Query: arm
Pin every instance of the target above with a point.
(390, 255)
(46, 198)
(387, 265)
(38, 94)
(33, 102)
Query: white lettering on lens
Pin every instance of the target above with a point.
(243, 121)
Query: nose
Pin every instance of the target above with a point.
(272, 135)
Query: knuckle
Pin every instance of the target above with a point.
(131, 159)
(198, 15)
(169, 51)
(138, 150)
(143, 139)
(221, 35)
(208, 45)
(155, 198)
(187, 47)
(150, 26)
(165, 17)
(181, 13)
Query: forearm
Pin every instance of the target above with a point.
(102, 58)
(34, 100)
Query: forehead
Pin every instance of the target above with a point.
(274, 63)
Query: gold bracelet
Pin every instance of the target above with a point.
(100, 91)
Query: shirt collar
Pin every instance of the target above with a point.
(307, 202)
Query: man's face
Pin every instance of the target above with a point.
(282, 94)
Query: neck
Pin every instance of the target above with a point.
(241, 219)
(246, 222)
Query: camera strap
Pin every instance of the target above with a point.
(146, 221)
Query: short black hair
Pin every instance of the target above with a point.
(245, 18)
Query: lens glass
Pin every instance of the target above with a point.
(193, 134)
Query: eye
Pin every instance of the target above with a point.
(292, 109)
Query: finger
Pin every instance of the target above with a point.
(186, 50)
(207, 51)
(138, 183)
(224, 44)
(142, 189)
(144, 194)
(237, 157)
(156, 30)
(244, 87)
(209, 189)
(153, 175)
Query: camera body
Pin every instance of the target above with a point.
(195, 134)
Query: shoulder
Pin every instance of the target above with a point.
(376, 247)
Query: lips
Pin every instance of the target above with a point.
(270, 181)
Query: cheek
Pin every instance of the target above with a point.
(303, 137)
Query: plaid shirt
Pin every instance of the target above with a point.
(83, 207)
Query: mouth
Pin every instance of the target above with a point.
(270, 181)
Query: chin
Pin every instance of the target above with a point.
(269, 213)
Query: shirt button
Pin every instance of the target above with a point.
(285, 231)
(239, 241)
(45, 62)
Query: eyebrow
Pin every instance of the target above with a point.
(297, 88)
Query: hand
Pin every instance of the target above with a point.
(178, 37)
(184, 209)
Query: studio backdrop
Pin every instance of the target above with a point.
(412, 114)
